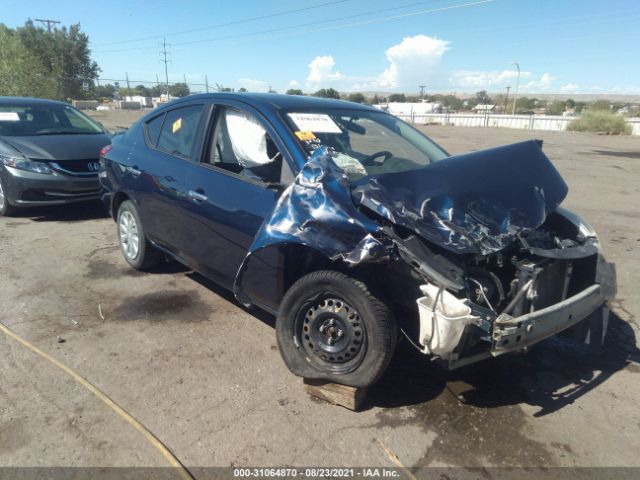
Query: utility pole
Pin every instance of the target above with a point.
(164, 60)
(126, 76)
(515, 95)
(206, 83)
(422, 87)
(506, 101)
(47, 22)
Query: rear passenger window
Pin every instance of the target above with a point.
(153, 129)
(179, 130)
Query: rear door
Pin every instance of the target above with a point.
(235, 186)
(173, 141)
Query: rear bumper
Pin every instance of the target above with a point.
(32, 189)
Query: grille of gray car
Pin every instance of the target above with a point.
(77, 167)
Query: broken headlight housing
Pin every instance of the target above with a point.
(585, 230)
(25, 164)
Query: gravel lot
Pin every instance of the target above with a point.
(204, 375)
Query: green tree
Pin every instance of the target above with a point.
(105, 91)
(22, 74)
(397, 97)
(556, 107)
(179, 89)
(327, 93)
(294, 91)
(242, 89)
(142, 91)
(483, 98)
(600, 105)
(357, 98)
(65, 54)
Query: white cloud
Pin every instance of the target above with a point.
(570, 87)
(253, 85)
(413, 61)
(322, 73)
(479, 79)
(293, 84)
(542, 84)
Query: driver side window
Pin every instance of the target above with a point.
(242, 145)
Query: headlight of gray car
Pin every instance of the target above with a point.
(25, 164)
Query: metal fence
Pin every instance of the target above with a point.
(523, 122)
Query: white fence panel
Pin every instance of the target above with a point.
(554, 123)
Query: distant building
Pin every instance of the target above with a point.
(411, 108)
(484, 108)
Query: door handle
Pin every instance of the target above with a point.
(197, 197)
(134, 170)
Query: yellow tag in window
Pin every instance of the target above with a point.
(177, 125)
(305, 136)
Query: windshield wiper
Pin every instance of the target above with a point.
(65, 132)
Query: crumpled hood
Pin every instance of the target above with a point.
(59, 147)
(473, 203)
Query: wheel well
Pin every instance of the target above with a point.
(301, 260)
(116, 202)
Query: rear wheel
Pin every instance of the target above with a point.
(136, 248)
(331, 327)
(6, 209)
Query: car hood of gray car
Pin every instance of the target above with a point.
(59, 147)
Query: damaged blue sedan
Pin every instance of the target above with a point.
(355, 229)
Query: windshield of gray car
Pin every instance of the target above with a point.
(36, 119)
(362, 142)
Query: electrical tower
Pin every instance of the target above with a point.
(47, 22)
(163, 59)
(422, 87)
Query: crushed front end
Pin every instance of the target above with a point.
(476, 306)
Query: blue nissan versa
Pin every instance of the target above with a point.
(353, 228)
(48, 154)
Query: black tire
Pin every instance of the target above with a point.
(145, 255)
(360, 354)
(6, 209)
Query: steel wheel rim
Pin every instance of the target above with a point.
(129, 235)
(332, 334)
(2, 200)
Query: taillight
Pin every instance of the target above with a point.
(105, 150)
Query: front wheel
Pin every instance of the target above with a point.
(331, 327)
(136, 248)
(6, 209)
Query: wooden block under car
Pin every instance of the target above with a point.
(336, 394)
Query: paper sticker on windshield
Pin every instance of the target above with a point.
(314, 122)
(177, 125)
(9, 117)
(305, 136)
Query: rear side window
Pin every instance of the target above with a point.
(179, 131)
(153, 129)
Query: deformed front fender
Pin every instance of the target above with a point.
(317, 211)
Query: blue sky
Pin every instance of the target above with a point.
(562, 46)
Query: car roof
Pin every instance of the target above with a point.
(29, 102)
(275, 101)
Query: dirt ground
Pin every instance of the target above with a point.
(205, 376)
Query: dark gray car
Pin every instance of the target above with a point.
(48, 154)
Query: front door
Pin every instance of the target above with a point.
(232, 191)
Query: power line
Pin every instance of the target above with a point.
(49, 23)
(227, 24)
(290, 27)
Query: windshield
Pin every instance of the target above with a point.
(23, 120)
(364, 143)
